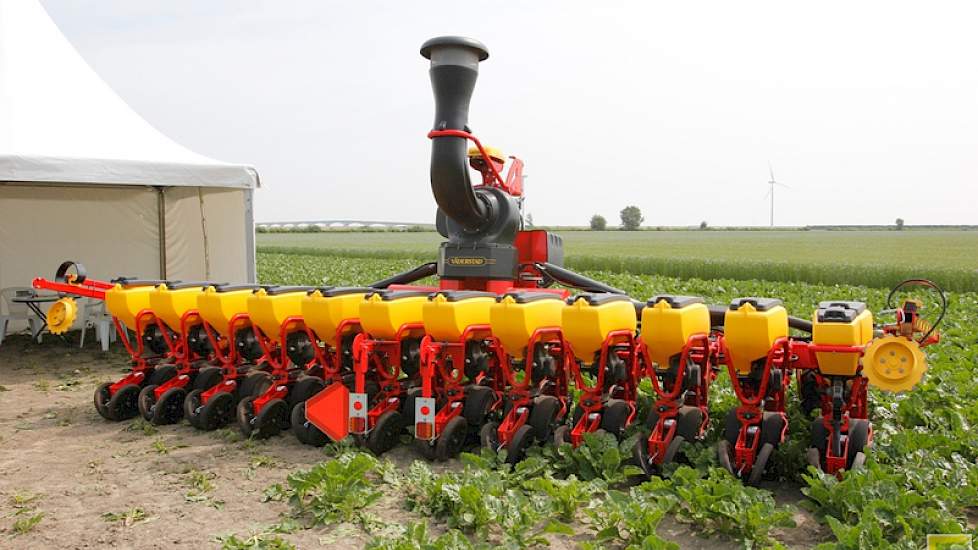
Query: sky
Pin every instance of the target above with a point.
(866, 111)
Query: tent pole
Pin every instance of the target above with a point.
(161, 215)
(250, 266)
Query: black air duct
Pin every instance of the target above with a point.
(454, 69)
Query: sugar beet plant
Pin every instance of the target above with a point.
(921, 477)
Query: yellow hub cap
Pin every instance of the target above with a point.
(62, 315)
(894, 363)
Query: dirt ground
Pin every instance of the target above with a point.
(100, 484)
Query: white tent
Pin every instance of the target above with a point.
(83, 177)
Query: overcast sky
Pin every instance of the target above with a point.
(868, 111)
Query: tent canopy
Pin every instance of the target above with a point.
(83, 177)
(59, 122)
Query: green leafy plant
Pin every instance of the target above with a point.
(873, 508)
(720, 503)
(566, 496)
(336, 490)
(631, 522)
(600, 456)
(26, 525)
(256, 541)
(415, 536)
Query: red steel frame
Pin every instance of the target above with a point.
(699, 350)
(749, 413)
(332, 361)
(183, 357)
(229, 358)
(856, 407)
(436, 378)
(276, 352)
(366, 350)
(592, 399)
(521, 393)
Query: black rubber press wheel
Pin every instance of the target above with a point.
(386, 433)
(522, 439)
(192, 408)
(102, 400)
(217, 412)
(123, 405)
(207, 378)
(146, 400)
(489, 435)
(304, 430)
(543, 416)
(273, 418)
(452, 439)
(614, 418)
(169, 409)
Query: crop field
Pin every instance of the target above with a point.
(921, 477)
(872, 258)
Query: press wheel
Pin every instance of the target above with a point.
(386, 434)
(217, 412)
(452, 439)
(304, 430)
(123, 405)
(169, 409)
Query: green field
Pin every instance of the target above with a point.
(921, 477)
(872, 258)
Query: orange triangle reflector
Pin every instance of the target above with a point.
(329, 411)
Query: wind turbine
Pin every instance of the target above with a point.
(770, 192)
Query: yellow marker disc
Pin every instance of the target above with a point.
(894, 363)
(62, 315)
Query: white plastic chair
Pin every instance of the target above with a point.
(19, 312)
(94, 316)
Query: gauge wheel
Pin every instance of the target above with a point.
(304, 388)
(207, 378)
(123, 405)
(614, 418)
(859, 430)
(273, 418)
(640, 454)
(760, 464)
(254, 384)
(386, 434)
(102, 396)
(478, 399)
(305, 431)
(245, 414)
(217, 412)
(522, 439)
(489, 436)
(452, 439)
(169, 409)
(146, 401)
(562, 435)
(543, 416)
(161, 374)
(192, 408)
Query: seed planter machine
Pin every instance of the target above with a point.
(490, 344)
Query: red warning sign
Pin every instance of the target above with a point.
(328, 410)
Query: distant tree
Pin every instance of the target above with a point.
(703, 224)
(598, 223)
(899, 224)
(631, 218)
(529, 219)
